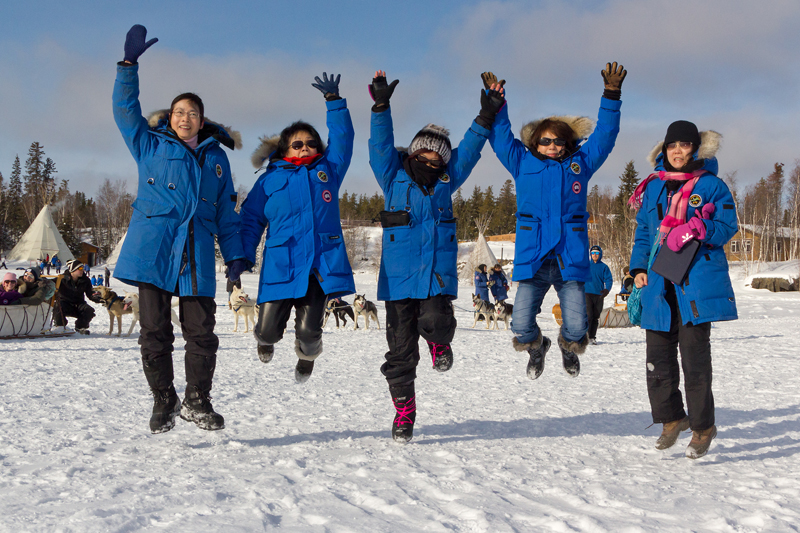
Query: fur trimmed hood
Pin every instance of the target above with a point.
(582, 126)
(266, 147)
(210, 129)
(710, 143)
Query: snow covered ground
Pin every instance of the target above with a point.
(492, 450)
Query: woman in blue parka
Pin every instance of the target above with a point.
(683, 201)
(418, 277)
(297, 200)
(185, 199)
(498, 283)
(482, 283)
(552, 171)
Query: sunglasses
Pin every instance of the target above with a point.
(595, 253)
(298, 145)
(435, 163)
(545, 141)
(682, 144)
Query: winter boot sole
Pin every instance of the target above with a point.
(699, 450)
(668, 438)
(156, 427)
(206, 421)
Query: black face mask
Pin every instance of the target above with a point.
(421, 173)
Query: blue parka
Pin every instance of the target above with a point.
(185, 198)
(499, 288)
(481, 285)
(299, 207)
(707, 294)
(601, 278)
(419, 260)
(551, 195)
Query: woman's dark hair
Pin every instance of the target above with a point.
(559, 128)
(196, 100)
(290, 131)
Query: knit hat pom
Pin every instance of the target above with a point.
(432, 138)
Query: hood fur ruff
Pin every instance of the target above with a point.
(267, 145)
(162, 114)
(582, 126)
(710, 143)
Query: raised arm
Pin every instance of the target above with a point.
(509, 150)
(127, 110)
(383, 156)
(602, 140)
(340, 126)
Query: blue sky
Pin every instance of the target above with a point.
(727, 65)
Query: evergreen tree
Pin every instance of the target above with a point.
(628, 182)
(17, 221)
(70, 236)
(34, 181)
(4, 237)
(504, 220)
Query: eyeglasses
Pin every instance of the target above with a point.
(682, 144)
(434, 163)
(298, 145)
(180, 113)
(545, 141)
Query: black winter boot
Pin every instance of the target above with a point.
(166, 404)
(265, 352)
(197, 408)
(537, 350)
(441, 355)
(405, 403)
(303, 370)
(569, 354)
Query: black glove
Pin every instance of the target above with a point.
(381, 92)
(491, 103)
(236, 267)
(489, 78)
(135, 45)
(613, 76)
(328, 87)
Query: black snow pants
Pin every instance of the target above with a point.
(156, 338)
(407, 320)
(594, 306)
(83, 312)
(309, 315)
(664, 373)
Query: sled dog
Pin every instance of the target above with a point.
(365, 308)
(484, 311)
(340, 310)
(243, 306)
(117, 306)
(502, 311)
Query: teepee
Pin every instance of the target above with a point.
(111, 262)
(481, 253)
(41, 239)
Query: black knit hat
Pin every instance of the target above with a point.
(432, 138)
(72, 265)
(35, 271)
(682, 130)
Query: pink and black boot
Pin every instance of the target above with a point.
(405, 403)
(441, 355)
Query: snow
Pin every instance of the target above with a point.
(788, 270)
(492, 450)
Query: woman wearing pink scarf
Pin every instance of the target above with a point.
(681, 202)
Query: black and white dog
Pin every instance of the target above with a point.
(340, 309)
(484, 311)
(502, 311)
(365, 308)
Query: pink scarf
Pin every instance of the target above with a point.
(679, 202)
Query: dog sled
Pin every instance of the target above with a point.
(30, 321)
(610, 317)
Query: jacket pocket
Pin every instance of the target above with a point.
(393, 219)
(152, 208)
(577, 240)
(446, 246)
(397, 253)
(334, 253)
(529, 229)
(277, 260)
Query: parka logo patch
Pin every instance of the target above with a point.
(576, 168)
(322, 177)
(576, 187)
(326, 195)
(219, 170)
(695, 200)
(445, 178)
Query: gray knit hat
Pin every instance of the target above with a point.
(432, 138)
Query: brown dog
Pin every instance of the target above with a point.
(118, 306)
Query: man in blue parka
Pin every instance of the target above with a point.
(498, 283)
(418, 277)
(185, 199)
(297, 200)
(597, 288)
(551, 169)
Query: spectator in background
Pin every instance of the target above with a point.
(597, 288)
(72, 291)
(498, 283)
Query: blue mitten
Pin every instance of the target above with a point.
(236, 267)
